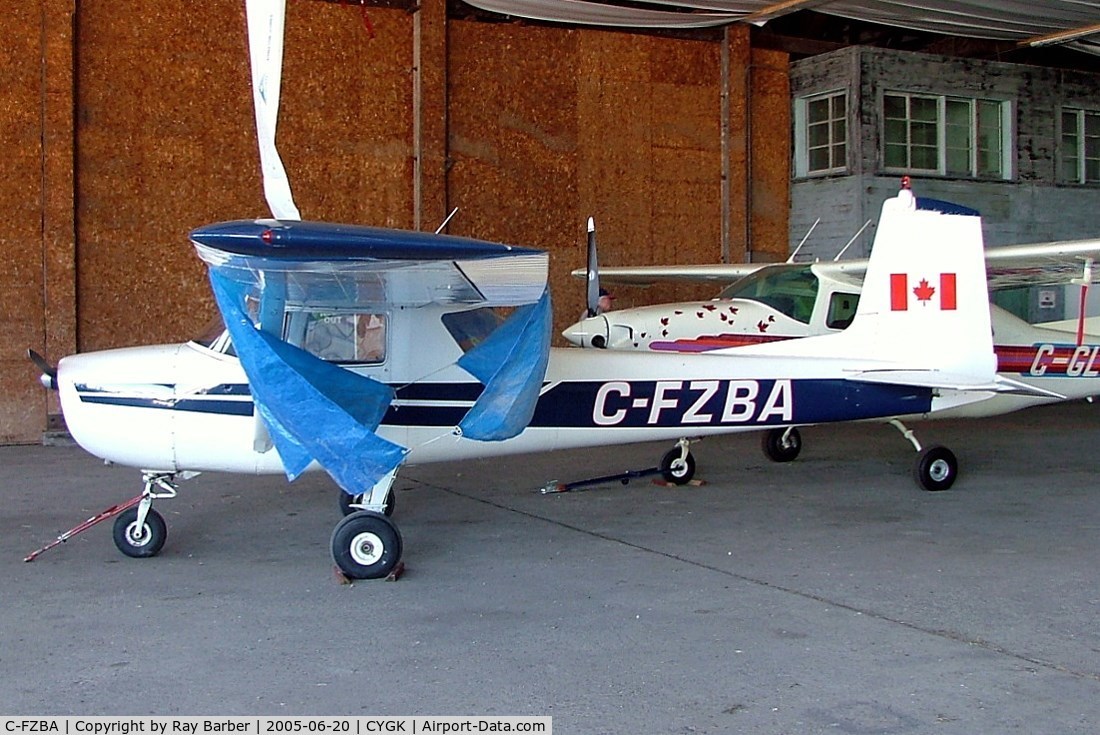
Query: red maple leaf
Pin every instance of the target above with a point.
(923, 291)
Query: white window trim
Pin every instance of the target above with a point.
(1008, 136)
(1079, 113)
(802, 134)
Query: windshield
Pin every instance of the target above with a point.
(790, 290)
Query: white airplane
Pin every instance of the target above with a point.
(768, 303)
(300, 381)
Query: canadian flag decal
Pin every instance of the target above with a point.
(924, 291)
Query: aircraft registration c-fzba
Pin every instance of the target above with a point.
(360, 350)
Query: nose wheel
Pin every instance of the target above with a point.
(140, 539)
(781, 445)
(678, 465)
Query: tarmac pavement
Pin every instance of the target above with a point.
(827, 595)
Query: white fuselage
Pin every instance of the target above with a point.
(188, 407)
(1048, 359)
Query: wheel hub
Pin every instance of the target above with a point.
(367, 549)
(939, 470)
(138, 535)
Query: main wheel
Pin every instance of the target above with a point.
(140, 542)
(674, 470)
(936, 468)
(781, 445)
(346, 501)
(366, 545)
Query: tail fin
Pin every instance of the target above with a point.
(925, 302)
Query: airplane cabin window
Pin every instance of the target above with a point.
(842, 309)
(790, 291)
(470, 328)
(343, 337)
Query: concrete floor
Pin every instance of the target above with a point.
(826, 595)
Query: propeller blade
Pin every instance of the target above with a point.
(593, 270)
(49, 372)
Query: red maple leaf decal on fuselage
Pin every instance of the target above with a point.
(924, 291)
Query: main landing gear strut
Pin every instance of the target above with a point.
(366, 543)
(936, 467)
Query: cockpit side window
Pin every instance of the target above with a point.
(343, 337)
(842, 309)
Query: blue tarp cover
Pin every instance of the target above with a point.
(511, 363)
(313, 410)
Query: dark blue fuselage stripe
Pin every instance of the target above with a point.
(230, 408)
(630, 404)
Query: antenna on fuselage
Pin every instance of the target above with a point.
(804, 239)
(858, 233)
(445, 221)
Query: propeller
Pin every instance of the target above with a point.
(49, 372)
(593, 271)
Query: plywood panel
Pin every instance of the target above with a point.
(167, 143)
(22, 400)
(550, 126)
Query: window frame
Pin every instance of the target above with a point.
(802, 125)
(974, 136)
(1081, 158)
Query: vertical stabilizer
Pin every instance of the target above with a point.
(923, 314)
(925, 303)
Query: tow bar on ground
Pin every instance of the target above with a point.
(111, 512)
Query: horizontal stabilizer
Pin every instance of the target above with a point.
(1020, 388)
(937, 379)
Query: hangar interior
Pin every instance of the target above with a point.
(128, 124)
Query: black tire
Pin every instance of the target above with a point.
(144, 542)
(366, 545)
(681, 475)
(345, 500)
(779, 449)
(936, 468)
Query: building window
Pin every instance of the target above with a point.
(948, 136)
(1080, 150)
(821, 129)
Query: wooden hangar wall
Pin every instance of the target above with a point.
(127, 124)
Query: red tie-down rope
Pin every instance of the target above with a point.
(368, 25)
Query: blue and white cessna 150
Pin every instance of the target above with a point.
(769, 303)
(360, 350)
